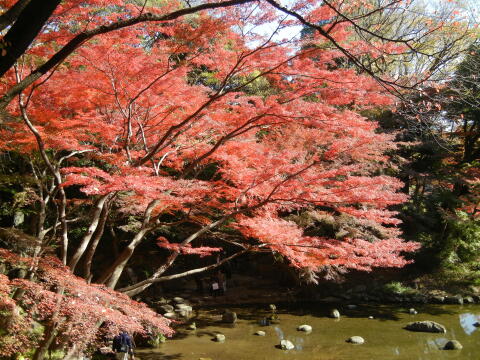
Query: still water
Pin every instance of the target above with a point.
(384, 335)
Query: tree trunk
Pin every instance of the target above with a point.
(29, 23)
(88, 236)
(116, 270)
(112, 275)
(141, 286)
(48, 337)
(155, 278)
(9, 16)
(87, 266)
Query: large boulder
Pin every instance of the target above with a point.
(426, 326)
(229, 317)
(286, 345)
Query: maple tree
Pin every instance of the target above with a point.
(171, 118)
(148, 128)
(74, 313)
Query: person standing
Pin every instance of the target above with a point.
(123, 346)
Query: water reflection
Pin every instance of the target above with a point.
(279, 332)
(438, 343)
(396, 351)
(467, 321)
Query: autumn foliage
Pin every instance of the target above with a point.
(163, 119)
(84, 314)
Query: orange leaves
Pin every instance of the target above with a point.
(312, 252)
(187, 249)
(211, 118)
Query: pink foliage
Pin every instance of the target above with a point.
(187, 249)
(82, 311)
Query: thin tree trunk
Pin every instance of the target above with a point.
(54, 171)
(88, 236)
(139, 287)
(113, 273)
(142, 285)
(87, 266)
(50, 331)
(48, 337)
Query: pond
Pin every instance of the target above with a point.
(384, 335)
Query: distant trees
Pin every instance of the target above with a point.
(443, 174)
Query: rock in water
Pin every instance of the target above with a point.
(169, 315)
(286, 345)
(219, 338)
(426, 326)
(356, 340)
(335, 314)
(305, 328)
(167, 308)
(412, 311)
(457, 299)
(260, 333)
(453, 345)
(438, 299)
(178, 300)
(229, 317)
